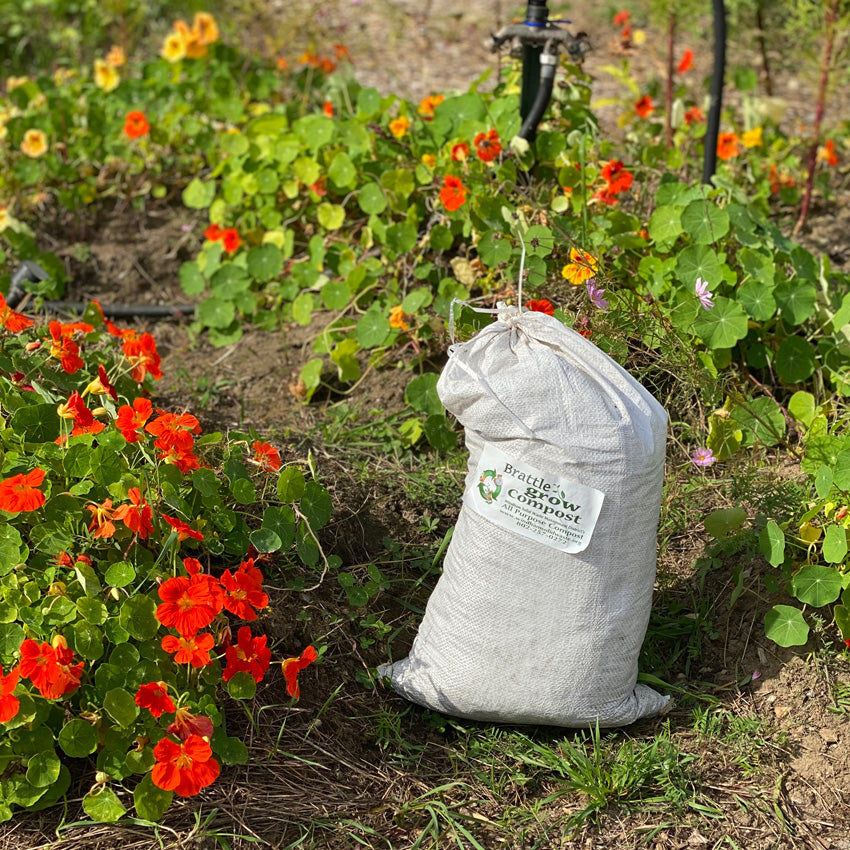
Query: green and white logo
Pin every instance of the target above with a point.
(490, 485)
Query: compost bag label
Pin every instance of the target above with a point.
(554, 511)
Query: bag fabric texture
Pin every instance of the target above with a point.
(535, 620)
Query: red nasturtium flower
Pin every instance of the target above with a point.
(727, 146)
(827, 153)
(64, 349)
(131, 420)
(487, 145)
(194, 650)
(614, 173)
(686, 63)
(213, 233)
(9, 704)
(187, 605)
(101, 523)
(622, 17)
(428, 104)
(266, 456)
(328, 109)
(694, 115)
(291, 667)
(184, 768)
(154, 697)
(136, 125)
(250, 655)
(460, 151)
(20, 493)
(231, 240)
(49, 668)
(143, 357)
(186, 724)
(453, 193)
(541, 306)
(12, 321)
(244, 591)
(644, 106)
(183, 530)
(136, 516)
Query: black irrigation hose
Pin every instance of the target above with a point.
(712, 129)
(548, 64)
(30, 271)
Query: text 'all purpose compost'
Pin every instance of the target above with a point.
(546, 590)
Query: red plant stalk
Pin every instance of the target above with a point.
(668, 89)
(830, 16)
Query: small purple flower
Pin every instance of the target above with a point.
(703, 457)
(701, 289)
(756, 675)
(595, 294)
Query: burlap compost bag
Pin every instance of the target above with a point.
(546, 589)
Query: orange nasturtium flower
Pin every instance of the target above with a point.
(143, 357)
(694, 115)
(184, 768)
(727, 146)
(230, 239)
(582, 267)
(154, 697)
(644, 107)
(487, 145)
(460, 151)
(194, 650)
(428, 104)
(291, 667)
(397, 318)
(136, 516)
(34, 143)
(187, 606)
(183, 530)
(542, 305)
(827, 153)
(686, 63)
(20, 493)
(5, 217)
(116, 56)
(399, 126)
(453, 193)
(250, 654)
(9, 704)
(105, 76)
(205, 28)
(49, 668)
(12, 321)
(101, 523)
(244, 591)
(131, 420)
(266, 456)
(136, 125)
(101, 385)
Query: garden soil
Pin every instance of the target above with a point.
(329, 761)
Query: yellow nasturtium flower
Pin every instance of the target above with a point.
(752, 138)
(105, 76)
(34, 143)
(173, 48)
(399, 126)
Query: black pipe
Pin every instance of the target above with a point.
(30, 271)
(712, 129)
(537, 17)
(548, 66)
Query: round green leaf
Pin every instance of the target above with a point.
(723, 325)
(43, 769)
(336, 294)
(78, 738)
(242, 686)
(290, 484)
(102, 805)
(316, 505)
(264, 262)
(665, 226)
(721, 522)
(121, 573)
(494, 248)
(371, 199)
(265, 540)
(757, 299)
(215, 312)
(230, 750)
(243, 491)
(842, 620)
(372, 328)
(699, 261)
(772, 544)
(764, 418)
(801, 406)
(834, 544)
(151, 802)
(817, 585)
(401, 237)
(421, 394)
(88, 641)
(705, 222)
(438, 432)
(796, 300)
(281, 521)
(121, 706)
(331, 216)
(11, 638)
(342, 172)
(198, 195)
(795, 360)
(192, 282)
(785, 626)
(138, 617)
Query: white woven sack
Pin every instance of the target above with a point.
(546, 589)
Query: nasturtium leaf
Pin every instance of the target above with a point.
(305, 546)
(416, 299)
(88, 641)
(43, 769)
(230, 750)
(306, 169)
(265, 540)
(331, 216)
(721, 522)
(344, 355)
(834, 544)
(421, 394)
(823, 482)
(438, 432)
(302, 308)
(371, 199)
(785, 625)
(398, 182)
(11, 638)
(215, 312)
(494, 248)
(723, 325)
(36, 423)
(102, 804)
(270, 124)
(290, 484)
(280, 520)
(817, 585)
(315, 131)
(757, 299)
(373, 328)
(336, 294)
(842, 620)
(199, 194)
(121, 573)
(841, 470)
(18, 790)
(77, 738)
(772, 544)
(138, 617)
(316, 505)
(121, 706)
(401, 237)
(699, 261)
(192, 282)
(242, 686)
(823, 450)
(801, 406)
(759, 266)
(763, 417)
(665, 226)
(441, 238)
(704, 221)
(243, 491)
(264, 262)
(796, 300)
(140, 761)
(795, 360)
(675, 193)
(10, 547)
(342, 172)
